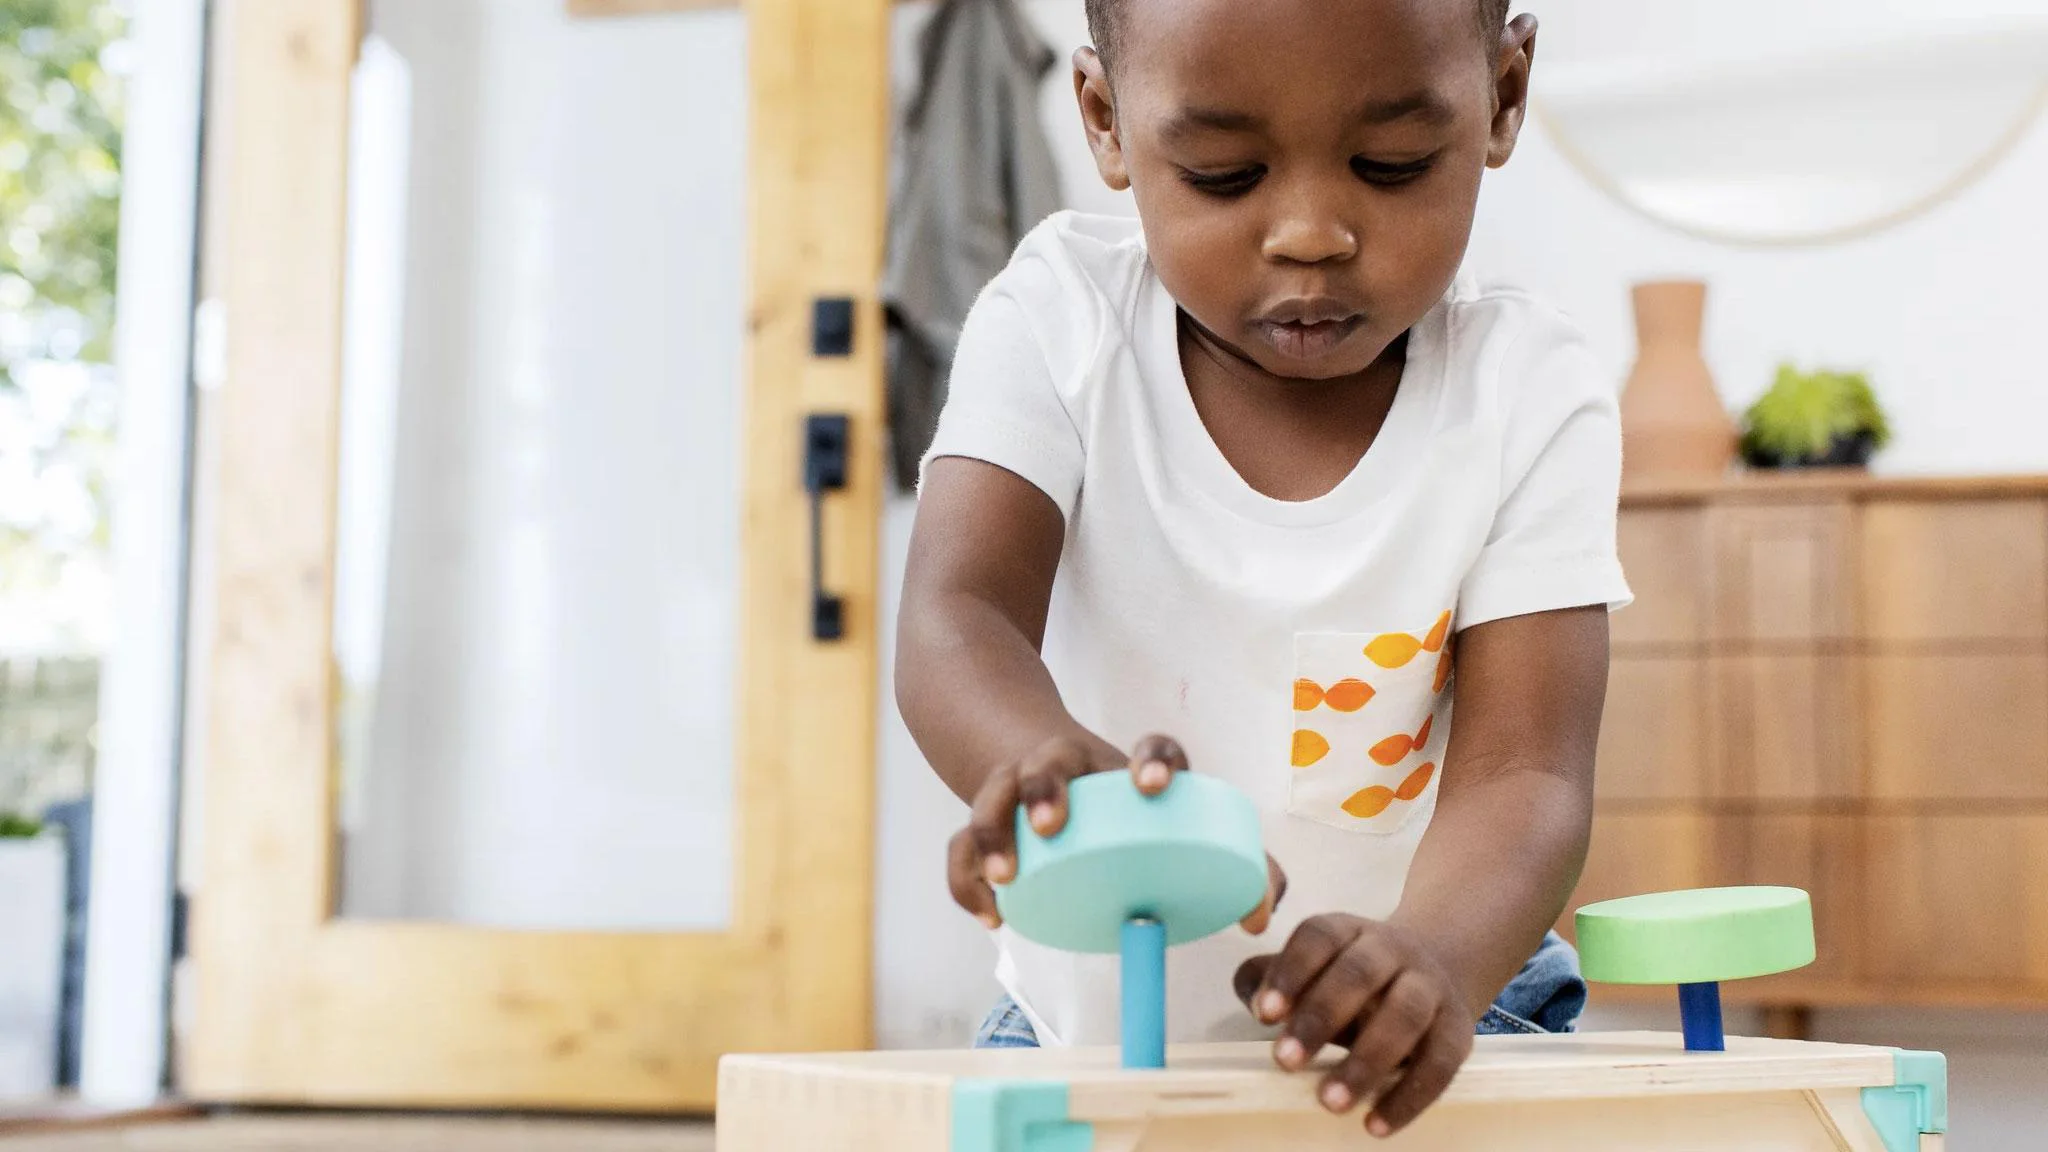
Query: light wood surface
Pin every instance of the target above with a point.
(1617, 1089)
(1780, 573)
(1653, 733)
(1782, 727)
(1665, 554)
(1782, 1121)
(818, 126)
(1810, 484)
(1955, 570)
(1957, 898)
(1957, 727)
(267, 856)
(296, 1007)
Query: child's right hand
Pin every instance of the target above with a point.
(984, 853)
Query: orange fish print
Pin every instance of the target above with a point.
(1395, 748)
(1369, 802)
(1347, 695)
(1396, 649)
(1415, 783)
(1309, 747)
(1443, 672)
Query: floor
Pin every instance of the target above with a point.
(282, 1132)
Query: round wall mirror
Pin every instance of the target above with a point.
(1775, 122)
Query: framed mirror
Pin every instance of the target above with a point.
(1763, 123)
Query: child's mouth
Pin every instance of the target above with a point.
(1306, 340)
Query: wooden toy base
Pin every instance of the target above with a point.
(1578, 1093)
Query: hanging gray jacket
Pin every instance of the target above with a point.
(973, 174)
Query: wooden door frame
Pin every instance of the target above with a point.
(294, 1005)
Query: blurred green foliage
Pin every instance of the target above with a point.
(61, 79)
(60, 177)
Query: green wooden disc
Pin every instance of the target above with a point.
(1191, 858)
(1696, 936)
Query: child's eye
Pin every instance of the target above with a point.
(1378, 172)
(1235, 182)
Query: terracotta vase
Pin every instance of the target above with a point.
(1672, 420)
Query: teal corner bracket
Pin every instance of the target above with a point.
(1916, 1103)
(1016, 1116)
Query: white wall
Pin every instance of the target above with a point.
(1941, 311)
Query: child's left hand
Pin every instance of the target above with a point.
(1373, 988)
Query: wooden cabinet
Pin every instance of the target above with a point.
(1957, 900)
(1840, 683)
(1955, 570)
(1667, 550)
(1781, 573)
(1950, 726)
(1782, 726)
(1653, 733)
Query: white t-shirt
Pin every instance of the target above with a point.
(1296, 649)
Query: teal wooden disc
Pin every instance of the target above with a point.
(1191, 858)
(1696, 936)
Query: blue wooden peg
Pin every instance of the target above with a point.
(1699, 1013)
(1144, 993)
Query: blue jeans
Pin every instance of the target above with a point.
(1547, 995)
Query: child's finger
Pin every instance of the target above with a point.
(1437, 1060)
(964, 877)
(1042, 783)
(1344, 994)
(1318, 941)
(1154, 760)
(1261, 917)
(1250, 977)
(993, 825)
(1390, 1033)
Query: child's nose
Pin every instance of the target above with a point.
(1306, 234)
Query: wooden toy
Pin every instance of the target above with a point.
(1135, 874)
(1696, 939)
(1620, 1092)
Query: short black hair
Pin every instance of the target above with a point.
(1104, 17)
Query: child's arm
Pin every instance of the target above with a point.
(973, 690)
(976, 587)
(1515, 809)
(1492, 873)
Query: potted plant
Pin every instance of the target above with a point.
(31, 955)
(1814, 419)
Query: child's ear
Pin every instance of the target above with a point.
(1512, 62)
(1098, 118)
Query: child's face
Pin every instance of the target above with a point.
(1306, 170)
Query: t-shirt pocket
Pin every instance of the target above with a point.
(1371, 720)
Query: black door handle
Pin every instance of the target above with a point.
(825, 436)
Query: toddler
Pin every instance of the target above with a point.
(1259, 485)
